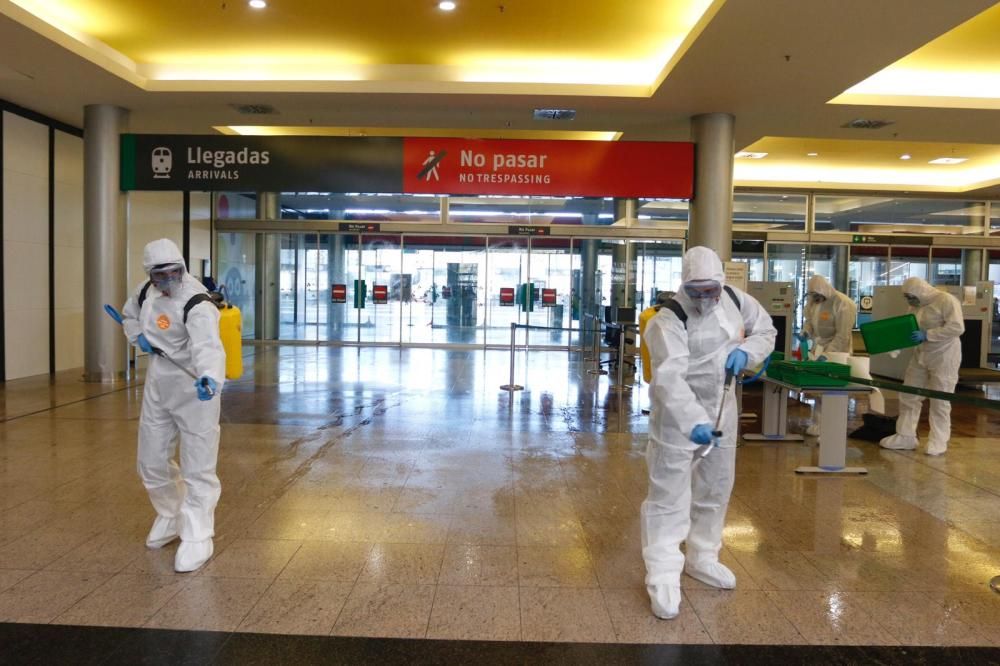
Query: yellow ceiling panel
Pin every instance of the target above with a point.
(959, 69)
(285, 130)
(867, 165)
(615, 47)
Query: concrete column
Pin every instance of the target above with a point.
(587, 289)
(268, 269)
(711, 215)
(105, 248)
(972, 266)
(840, 269)
(336, 263)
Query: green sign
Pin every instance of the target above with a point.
(527, 297)
(360, 294)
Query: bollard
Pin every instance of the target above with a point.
(511, 386)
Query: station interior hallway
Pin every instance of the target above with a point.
(395, 493)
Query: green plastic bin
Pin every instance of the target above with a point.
(886, 335)
(798, 373)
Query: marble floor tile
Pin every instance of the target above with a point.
(635, 623)
(210, 604)
(106, 552)
(45, 595)
(830, 618)
(914, 618)
(555, 566)
(479, 565)
(743, 616)
(403, 563)
(565, 614)
(475, 613)
(308, 607)
(252, 558)
(327, 561)
(125, 600)
(388, 610)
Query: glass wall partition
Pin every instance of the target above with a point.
(508, 269)
(532, 210)
(946, 266)
(658, 268)
(787, 263)
(868, 268)
(900, 215)
(551, 268)
(235, 258)
(769, 212)
(907, 261)
(751, 252)
(381, 266)
(830, 261)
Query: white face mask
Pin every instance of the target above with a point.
(705, 305)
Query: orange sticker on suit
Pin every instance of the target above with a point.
(163, 322)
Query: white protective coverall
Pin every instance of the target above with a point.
(685, 503)
(184, 497)
(934, 365)
(829, 324)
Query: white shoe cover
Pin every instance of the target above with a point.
(665, 600)
(715, 574)
(164, 531)
(192, 555)
(813, 430)
(899, 443)
(935, 449)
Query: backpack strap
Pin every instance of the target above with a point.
(142, 293)
(195, 300)
(678, 311)
(732, 295)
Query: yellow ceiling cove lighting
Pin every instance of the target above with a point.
(532, 47)
(288, 130)
(959, 69)
(868, 165)
(812, 154)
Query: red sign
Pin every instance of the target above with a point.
(556, 168)
(380, 294)
(548, 298)
(338, 293)
(506, 295)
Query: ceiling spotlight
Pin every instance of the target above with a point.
(904, 156)
(257, 4)
(743, 154)
(948, 160)
(447, 6)
(812, 154)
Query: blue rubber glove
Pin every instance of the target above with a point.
(142, 343)
(736, 361)
(822, 359)
(918, 336)
(206, 388)
(702, 434)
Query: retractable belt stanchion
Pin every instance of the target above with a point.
(510, 386)
(596, 353)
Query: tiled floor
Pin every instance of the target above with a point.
(392, 493)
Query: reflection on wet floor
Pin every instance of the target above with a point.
(387, 492)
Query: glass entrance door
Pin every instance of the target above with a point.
(552, 274)
(381, 270)
(508, 269)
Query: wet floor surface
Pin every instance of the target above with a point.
(389, 493)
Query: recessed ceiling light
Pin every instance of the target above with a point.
(446, 6)
(743, 154)
(948, 160)
(257, 4)
(904, 156)
(812, 154)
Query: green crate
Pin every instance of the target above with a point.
(797, 373)
(886, 335)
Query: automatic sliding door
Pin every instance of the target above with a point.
(381, 268)
(552, 275)
(236, 274)
(508, 273)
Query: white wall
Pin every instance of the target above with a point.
(25, 246)
(68, 242)
(151, 215)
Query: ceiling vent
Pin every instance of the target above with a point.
(254, 109)
(555, 114)
(864, 123)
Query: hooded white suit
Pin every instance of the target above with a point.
(830, 323)
(184, 497)
(934, 365)
(687, 386)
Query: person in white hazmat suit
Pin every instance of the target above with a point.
(690, 359)
(934, 365)
(184, 497)
(828, 324)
